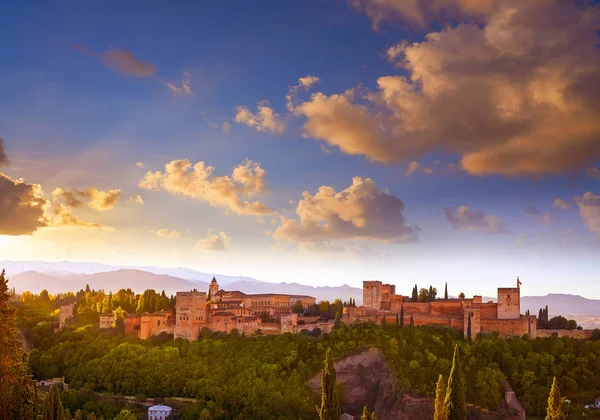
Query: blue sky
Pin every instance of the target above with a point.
(486, 137)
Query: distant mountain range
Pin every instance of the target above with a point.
(66, 276)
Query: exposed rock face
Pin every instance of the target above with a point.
(364, 379)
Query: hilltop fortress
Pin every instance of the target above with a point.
(220, 310)
(504, 316)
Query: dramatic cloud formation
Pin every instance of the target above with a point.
(304, 83)
(473, 220)
(214, 242)
(97, 200)
(361, 211)
(593, 173)
(3, 157)
(22, 207)
(125, 63)
(264, 120)
(589, 211)
(539, 216)
(501, 92)
(185, 85)
(198, 182)
(561, 204)
(166, 233)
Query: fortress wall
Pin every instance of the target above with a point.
(506, 327)
(488, 310)
(416, 308)
(509, 303)
(430, 320)
(448, 308)
(579, 334)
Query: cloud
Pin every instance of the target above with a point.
(63, 216)
(473, 220)
(589, 211)
(214, 242)
(22, 207)
(264, 120)
(419, 14)
(593, 173)
(125, 63)
(96, 199)
(412, 168)
(165, 233)
(198, 182)
(135, 199)
(361, 211)
(3, 157)
(185, 85)
(500, 92)
(539, 216)
(140, 165)
(225, 127)
(561, 204)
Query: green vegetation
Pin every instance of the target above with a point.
(366, 415)
(330, 404)
(554, 411)
(53, 408)
(440, 394)
(455, 404)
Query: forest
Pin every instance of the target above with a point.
(238, 377)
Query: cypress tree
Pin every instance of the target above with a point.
(415, 294)
(469, 328)
(383, 320)
(554, 411)
(430, 296)
(455, 404)
(365, 414)
(53, 408)
(446, 292)
(330, 406)
(18, 392)
(412, 322)
(397, 320)
(440, 395)
(402, 316)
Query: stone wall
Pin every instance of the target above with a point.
(66, 312)
(372, 294)
(190, 314)
(506, 327)
(579, 334)
(509, 303)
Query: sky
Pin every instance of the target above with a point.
(318, 142)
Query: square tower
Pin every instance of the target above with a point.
(372, 294)
(509, 303)
(190, 314)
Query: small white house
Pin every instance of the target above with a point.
(159, 412)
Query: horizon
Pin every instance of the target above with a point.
(318, 143)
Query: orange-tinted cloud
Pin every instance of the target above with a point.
(22, 207)
(589, 211)
(62, 215)
(539, 216)
(264, 120)
(561, 204)
(473, 220)
(125, 63)
(593, 173)
(501, 93)
(96, 199)
(361, 211)
(214, 242)
(166, 233)
(198, 182)
(183, 87)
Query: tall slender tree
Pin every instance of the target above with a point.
(440, 394)
(455, 404)
(19, 398)
(412, 322)
(446, 292)
(383, 320)
(53, 408)
(330, 405)
(415, 294)
(402, 315)
(366, 415)
(397, 320)
(554, 411)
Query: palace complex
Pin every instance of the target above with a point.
(220, 310)
(504, 316)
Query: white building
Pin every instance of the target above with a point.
(159, 412)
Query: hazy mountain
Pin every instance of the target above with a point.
(64, 268)
(321, 293)
(561, 304)
(135, 280)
